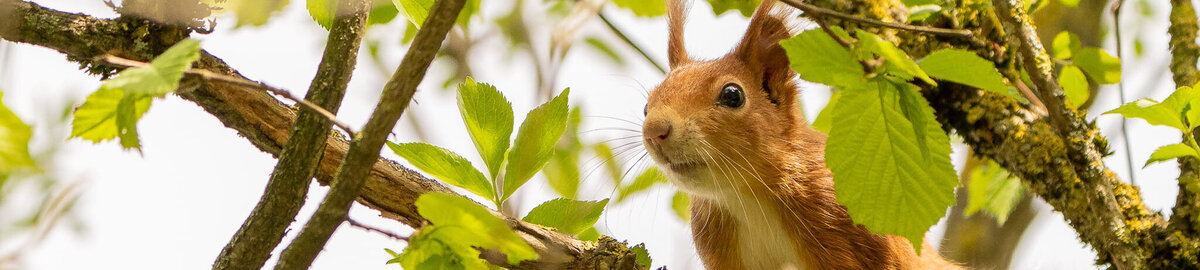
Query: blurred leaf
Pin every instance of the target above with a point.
(824, 120)
(681, 204)
(643, 182)
(562, 172)
(922, 12)
(1139, 48)
(643, 8)
(605, 155)
(964, 67)
(746, 7)
(820, 59)
(535, 142)
(489, 119)
(1070, 3)
(604, 49)
(463, 222)
(256, 12)
(643, 256)
(1074, 84)
(14, 142)
(993, 190)
(898, 62)
(1170, 152)
(568, 216)
(323, 11)
(591, 234)
(417, 10)
(1066, 44)
(410, 32)
(446, 166)
(382, 14)
(1100, 66)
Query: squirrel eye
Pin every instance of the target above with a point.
(731, 96)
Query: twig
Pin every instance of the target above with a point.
(356, 224)
(1036, 63)
(621, 34)
(207, 75)
(365, 147)
(810, 9)
(1116, 11)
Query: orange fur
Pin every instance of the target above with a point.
(758, 163)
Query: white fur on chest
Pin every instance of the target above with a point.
(762, 240)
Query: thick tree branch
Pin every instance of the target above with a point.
(265, 122)
(1185, 216)
(251, 246)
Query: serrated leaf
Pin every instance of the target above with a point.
(97, 119)
(898, 62)
(256, 12)
(535, 142)
(461, 221)
(1066, 44)
(682, 206)
(643, 8)
(567, 215)
(881, 173)
(643, 182)
(993, 190)
(824, 120)
(323, 11)
(446, 166)
(14, 142)
(163, 74)
(1170, 152)
(820, 59)
(964, 67)
(1074, 84)
(489, 119)
(1101, 67)
(1170, 112)
(745, 7)
(432, 248)
(643, 255)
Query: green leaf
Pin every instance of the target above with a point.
(1103, 68)
(643, 256)
(446, 166)
(535, 142)
(993, 190)
(417, 10)
(163, 74)
(746, 7)
(681, 204)
(567, 215)
(643, 8)
(1066, 44)
(898, 62)
(605, 155)
(256, 12)
(462, 221)
(1171, 152)
(323, 11)
(1074, 84)
(824, 120)
(562, 172)
(14, 142)
(489, 119)
(1070, 3)
(890, 180)
(922, 12)
(601, 46)
(382, 14)
(106, 114)
(591, 234)
(820, 59)
(964, 67)
(1170, 112)
(432, 248)
(644, 181)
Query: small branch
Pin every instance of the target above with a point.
(812, 10)
(1116, 12)
(356, 224)
(365, 147)
(621, 34)
(1185, 215)
(207, 75)
(1036, 63)
(264, 228)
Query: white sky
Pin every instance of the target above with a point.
(178, 204)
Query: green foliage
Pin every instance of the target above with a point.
(746, 7)
(820, 59)
(458, 227)
(605, 155)
(1065, 44)
(417, 10)
(964, 67)
(568, 216)
(993, 190)
(898, 63)
(643, 256)
(643, 182)
(602, 46)
(382, 14)
(643, 8)
(1103, 68)
(1171, 152)
(255, 12)
(824, 121)
(323, 11)
(114, 109)
(489, 119)
(922, 12)
(1179, 110)
(591, 234)
(535, 142)
(681, 203)
(562, 172)
(446, 166)
(1074, 85)
(14, 142)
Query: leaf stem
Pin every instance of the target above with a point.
(621, 34)
(1116, 11)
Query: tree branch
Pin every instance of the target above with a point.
(265, 122)
(813, 10)
(1185, 216)
(251, 246)
(621, 34)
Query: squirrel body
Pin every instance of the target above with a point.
(728, 132)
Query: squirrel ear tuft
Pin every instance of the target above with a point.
(760, 48)
(676, 15)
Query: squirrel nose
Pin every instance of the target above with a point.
(656, 131)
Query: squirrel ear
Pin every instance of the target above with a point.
(676, 13)
(760, 48)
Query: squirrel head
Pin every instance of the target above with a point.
(709, 119)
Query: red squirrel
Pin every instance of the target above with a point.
(729, 133)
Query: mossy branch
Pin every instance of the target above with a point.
(251, 246)
(265, 122)
(1185, 216)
